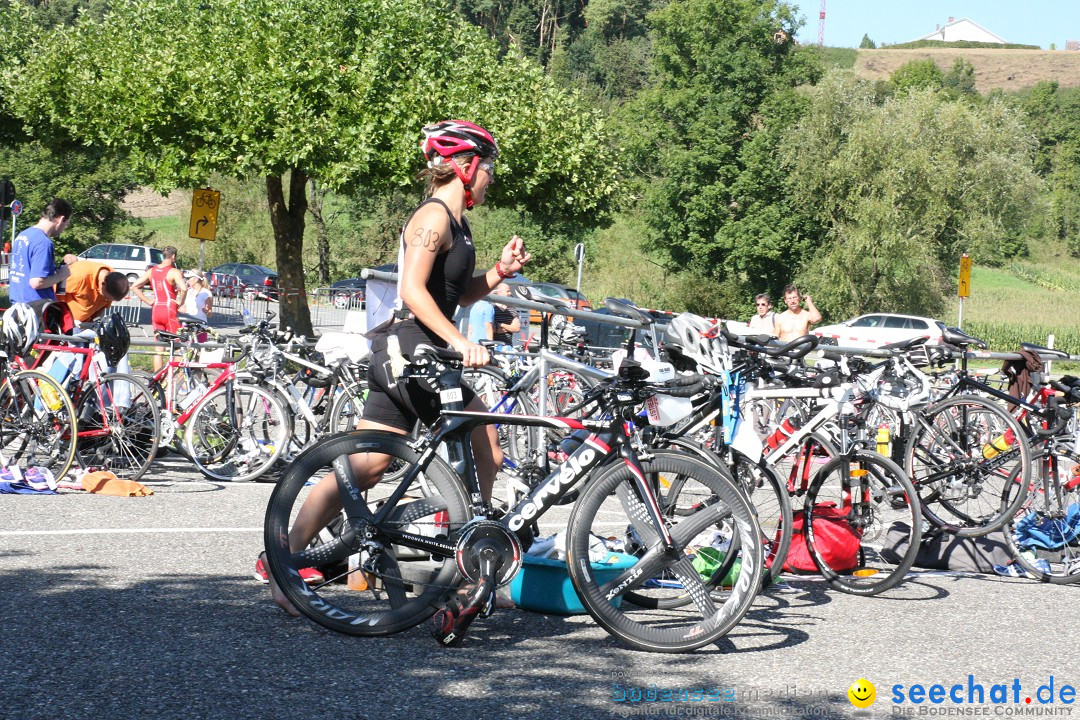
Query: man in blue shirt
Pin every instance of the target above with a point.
(481, 321)
(33, 274)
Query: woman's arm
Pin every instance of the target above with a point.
(512, 260)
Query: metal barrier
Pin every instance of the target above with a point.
(227, 310)
(330, 307)
(5, 263)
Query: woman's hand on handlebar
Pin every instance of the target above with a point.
(473, 355)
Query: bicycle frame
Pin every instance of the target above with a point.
(167, 373)
(88, 371)
(453, 430)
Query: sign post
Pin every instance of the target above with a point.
(203, 224)
(579, 255)
(963, 286)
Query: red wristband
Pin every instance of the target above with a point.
(499, 271)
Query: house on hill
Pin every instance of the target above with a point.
(962, 29)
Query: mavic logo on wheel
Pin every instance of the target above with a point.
(568, 474)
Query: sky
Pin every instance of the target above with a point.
(1036, 22)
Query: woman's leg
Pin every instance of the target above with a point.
(486, 450)
(323, 503)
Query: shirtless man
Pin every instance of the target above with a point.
(795, 322)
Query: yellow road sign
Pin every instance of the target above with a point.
(204, 207)
(964, 285)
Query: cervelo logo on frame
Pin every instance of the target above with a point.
(567, 474)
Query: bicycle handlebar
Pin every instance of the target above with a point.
(793, 349)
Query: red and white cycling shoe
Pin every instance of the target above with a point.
(311, 576)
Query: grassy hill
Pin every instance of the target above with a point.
(1025, 301)
(1005, 69)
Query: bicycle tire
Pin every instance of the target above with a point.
(38, 425)
(347, 407)
(612, 491)
(762, 487)
(887, 498)
(364, 612)
(211, 438)
(1049, 513)
(960, 490)
(131, 435)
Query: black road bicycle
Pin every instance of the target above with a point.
(416, 538)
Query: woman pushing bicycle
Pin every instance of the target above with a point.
(436, 261)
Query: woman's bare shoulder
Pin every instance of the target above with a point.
(429, 228)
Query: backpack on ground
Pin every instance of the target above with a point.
(942, 551)
(834, 539)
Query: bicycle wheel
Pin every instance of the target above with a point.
(240, 447)
(348, 407)
(609, 508)
(761, 486)
(852, 503)
(967, 487)
(37, 423)
(403, 586)
(119, 426)
(1044, 536)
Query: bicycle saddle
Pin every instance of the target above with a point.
(905, 344)
(956, 336)
(1040, 350)
(626, 310)
(190, 320)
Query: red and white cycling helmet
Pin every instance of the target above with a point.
(445, 139)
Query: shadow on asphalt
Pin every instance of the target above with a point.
(84, 640)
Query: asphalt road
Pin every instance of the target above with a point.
(146, 608)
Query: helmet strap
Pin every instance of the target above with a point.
(467, 178)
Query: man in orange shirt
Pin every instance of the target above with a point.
(92, 287)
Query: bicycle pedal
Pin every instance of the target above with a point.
(452, 622)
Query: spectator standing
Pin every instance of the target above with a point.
(481, 321)
(764, 320)
(506, 321)
(33, 273)
(169, 293)
(199, 301)
(795, 321)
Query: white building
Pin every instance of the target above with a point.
(962, 29)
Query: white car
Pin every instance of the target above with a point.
(132, 260)
(877, 329)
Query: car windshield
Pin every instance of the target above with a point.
(156, 257)
(575, 294)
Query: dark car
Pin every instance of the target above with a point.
(243, 279)
(348, 293)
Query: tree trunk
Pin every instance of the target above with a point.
(322, 235)
(288, 222)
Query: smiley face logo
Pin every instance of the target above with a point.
(862, 694)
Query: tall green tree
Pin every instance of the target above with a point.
(903, 187)
(704, 135)
(309, 89)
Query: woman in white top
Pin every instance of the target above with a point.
(199, 300)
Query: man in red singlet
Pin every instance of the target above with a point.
(169, 291)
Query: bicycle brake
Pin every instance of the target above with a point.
(452, 622)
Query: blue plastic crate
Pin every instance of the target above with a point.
(543, 585)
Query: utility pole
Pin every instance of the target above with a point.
(821, 25)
